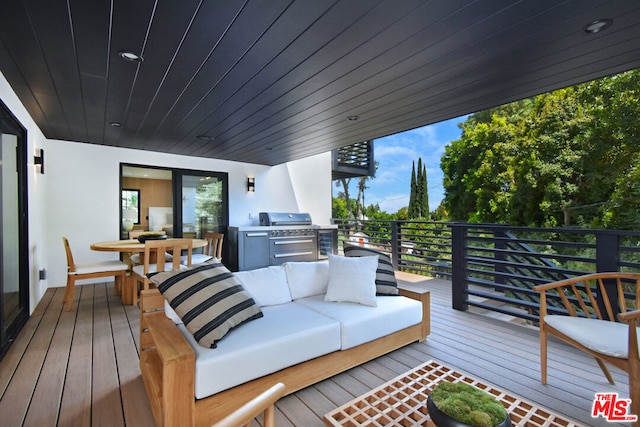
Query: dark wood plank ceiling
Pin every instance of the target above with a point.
(276, 80)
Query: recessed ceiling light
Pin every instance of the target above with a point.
(205, 137)
(115, 124)
(127, 55)
(353, 118)
(597, 26)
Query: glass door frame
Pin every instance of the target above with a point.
(176, 185)
(8, 333)
(178, 174)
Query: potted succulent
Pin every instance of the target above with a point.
(461, 404)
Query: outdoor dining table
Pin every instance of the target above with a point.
(127, 248)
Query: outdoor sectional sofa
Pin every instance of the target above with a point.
(300, 339)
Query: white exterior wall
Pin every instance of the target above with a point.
(78, 196)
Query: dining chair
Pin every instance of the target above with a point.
(264, 402)
(90, 270)
(598, 313)
(155, 261)
(213, 249)
(134, 259)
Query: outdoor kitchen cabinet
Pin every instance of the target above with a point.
(254, 247)
(249, 249)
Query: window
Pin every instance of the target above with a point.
(131, 205)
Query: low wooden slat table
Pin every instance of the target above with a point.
(403, 402)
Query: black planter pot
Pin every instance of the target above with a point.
(441, 419)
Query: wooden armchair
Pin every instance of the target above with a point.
(603, 324)
(259, 404)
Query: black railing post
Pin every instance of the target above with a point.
(607, 260)
(459, 285)
(395, 245)
(500, 256)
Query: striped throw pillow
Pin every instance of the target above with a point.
(209, 300)
(386, 283)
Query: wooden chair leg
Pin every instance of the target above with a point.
(118, 284)
(68, 292)
(543, 356)
(605, 370)
(134, 290)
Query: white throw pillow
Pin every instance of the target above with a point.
(267, 286)
(352, 280)
(307, 279)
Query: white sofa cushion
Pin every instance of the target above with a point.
(360, 324)
(267, 286)
(306, 279)
(286, 335)
(171, 313)
(352, 280)
(603, 336)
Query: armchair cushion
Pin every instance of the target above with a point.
(602, 336)
(209, 300)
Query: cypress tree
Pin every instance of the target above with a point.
(419, 196)
(421, 190)
(412, 211)
(425, 198)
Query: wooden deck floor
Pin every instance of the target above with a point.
(80, 368)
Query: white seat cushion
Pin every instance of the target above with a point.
(195, 259)
(95, 267)
(135, 258)
(602, 336)
(361, 323)
(153, 268)
(286, 335)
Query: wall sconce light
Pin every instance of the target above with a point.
(251, 184)
(38, 160)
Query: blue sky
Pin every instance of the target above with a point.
(395, 154)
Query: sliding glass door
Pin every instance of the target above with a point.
(178, 202)
(202, 197)
(14, 285)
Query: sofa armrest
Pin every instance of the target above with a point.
(424, 297)
(167, 364)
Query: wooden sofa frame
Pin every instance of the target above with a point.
(167, 363)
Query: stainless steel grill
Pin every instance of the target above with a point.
(289, 239)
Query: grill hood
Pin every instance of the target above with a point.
(284, 218)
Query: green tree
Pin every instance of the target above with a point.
(423, 191)
(419, 192)
(355, 207)
(339, 209)
(556, 159)
(412, 210)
